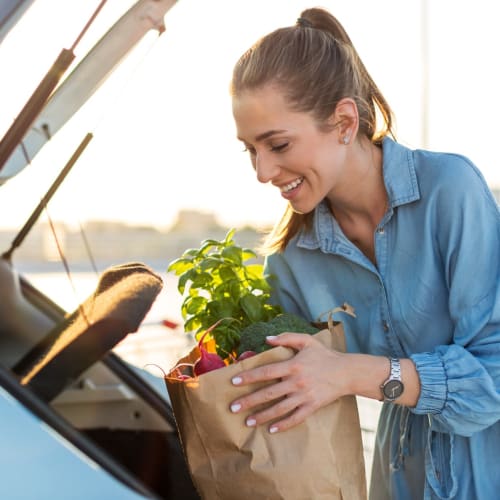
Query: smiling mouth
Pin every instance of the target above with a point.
(292, 185)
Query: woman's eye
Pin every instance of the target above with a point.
(279, 147)
(248, 149)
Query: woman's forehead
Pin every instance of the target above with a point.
(257, 112)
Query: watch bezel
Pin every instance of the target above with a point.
(392, 389)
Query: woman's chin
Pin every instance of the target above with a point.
(301, 208)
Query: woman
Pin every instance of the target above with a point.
(410, 239)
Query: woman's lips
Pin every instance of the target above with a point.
(292, 185)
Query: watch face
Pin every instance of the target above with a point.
(393, 389)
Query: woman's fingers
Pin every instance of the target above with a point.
(293, 388)
(296, 341)
(293, 419)
(287, 408)
(267, 394)
(276, 411)
(273, 371)
(262, 373)
(283, 415)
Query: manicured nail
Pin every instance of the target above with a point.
(273, 429)
(236, 380)
(235, 407)
(251, 422)
(271, 337)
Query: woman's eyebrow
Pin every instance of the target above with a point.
(265, 135)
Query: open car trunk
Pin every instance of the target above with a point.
(114, 413)
(109, 422)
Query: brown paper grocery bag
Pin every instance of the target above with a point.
(322, 458)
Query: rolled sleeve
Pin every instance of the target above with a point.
(459, 389)
(433, 383)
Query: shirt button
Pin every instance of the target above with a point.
(385, 326)
(380, 230)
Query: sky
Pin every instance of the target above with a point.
(164, 137)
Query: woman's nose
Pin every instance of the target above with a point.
(266, 168)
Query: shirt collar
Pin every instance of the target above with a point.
(400, 177)
(402, 187)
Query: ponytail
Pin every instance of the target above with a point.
(316, 64)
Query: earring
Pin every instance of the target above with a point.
(345, 140)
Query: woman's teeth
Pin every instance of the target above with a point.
(292, 185)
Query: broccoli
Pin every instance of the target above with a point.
(253, 337)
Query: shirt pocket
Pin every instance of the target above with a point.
(439, 465)
(421, 314)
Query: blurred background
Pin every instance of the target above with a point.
(164, 137)
(164, 169)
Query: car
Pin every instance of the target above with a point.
(77, 420)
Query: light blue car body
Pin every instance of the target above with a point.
(37, 463)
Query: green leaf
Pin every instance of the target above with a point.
(208, 245)
(181, 284)
(248, 253)
(196, 304)
(259, 284)
(180, 265)
(232, 254)
(222, 308)
(227, 339)
(211, 262)
(271, 311)
(229, 236)
(234, 290)
(227, 273)
(255, 271)
(252, 307)
(201, 280)
(192, 324)
(190, 252)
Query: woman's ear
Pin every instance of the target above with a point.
(346, 120)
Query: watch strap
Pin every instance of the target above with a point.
(393, 387)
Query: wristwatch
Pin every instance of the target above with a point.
(392, 388)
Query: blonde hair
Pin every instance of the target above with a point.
(316, 65)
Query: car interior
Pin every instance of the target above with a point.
(60, 365)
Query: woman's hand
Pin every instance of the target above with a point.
(313, 378)
(309, 380)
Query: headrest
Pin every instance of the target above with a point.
(122, 298)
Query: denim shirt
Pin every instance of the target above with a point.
(434, 297)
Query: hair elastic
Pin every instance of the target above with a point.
(304, 23)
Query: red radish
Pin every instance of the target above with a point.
(207, 361)
(246, 354)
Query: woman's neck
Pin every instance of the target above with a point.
(363, 199)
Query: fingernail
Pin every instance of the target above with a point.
(251, 422)
(273, 429)
(236, 380)
(271, 337)
(236, 407)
